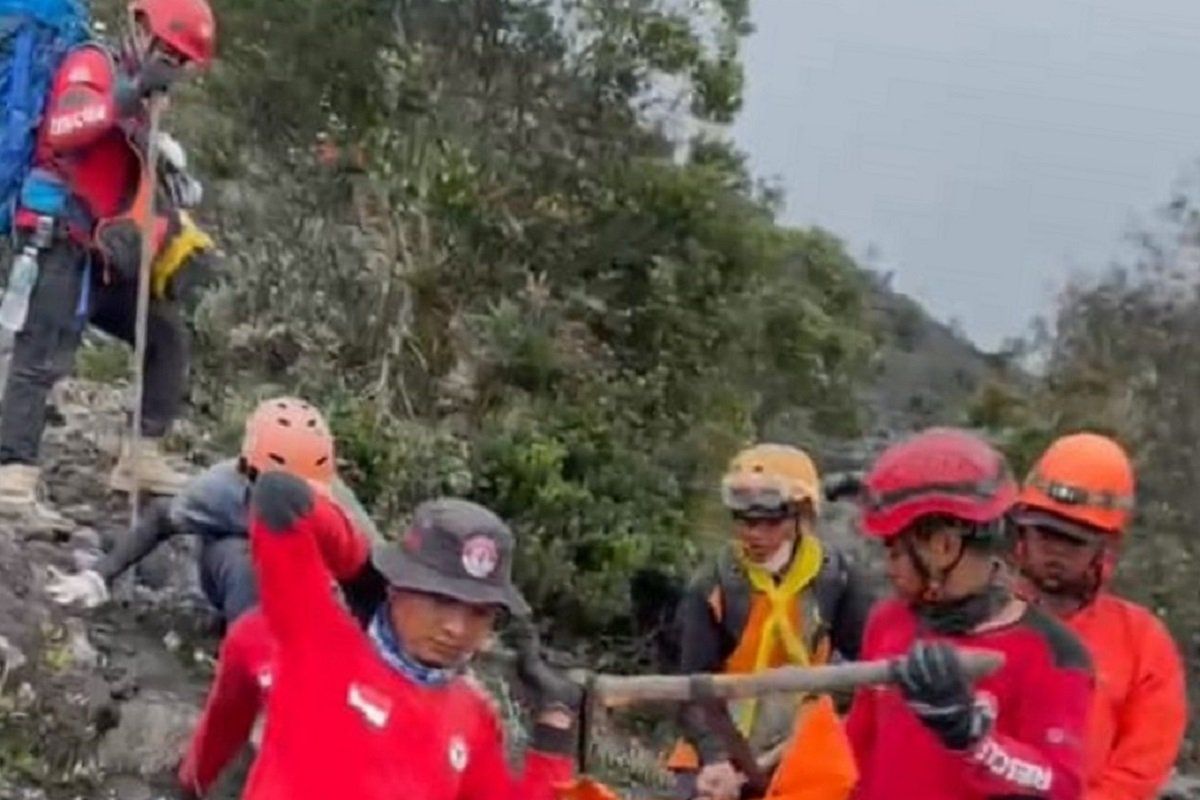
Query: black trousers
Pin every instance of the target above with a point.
(44, 352)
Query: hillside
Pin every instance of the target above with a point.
(454, 227)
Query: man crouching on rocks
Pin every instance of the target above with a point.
(388, 713)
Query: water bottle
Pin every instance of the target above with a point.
(21, 278)
(15, 306)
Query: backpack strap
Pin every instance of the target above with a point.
(830, 584)
(733, 602)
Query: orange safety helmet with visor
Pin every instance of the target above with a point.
(1082, 485)
(771, 481)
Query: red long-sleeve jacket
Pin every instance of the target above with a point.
(1140, 708)
(85, 142)
(1041, 698)
(245, 670)
(340, 721)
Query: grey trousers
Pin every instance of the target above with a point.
(227, 576)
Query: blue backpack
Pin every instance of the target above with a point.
(35, 37)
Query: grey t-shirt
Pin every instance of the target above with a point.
(212, 506)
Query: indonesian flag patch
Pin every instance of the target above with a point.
(374, 705)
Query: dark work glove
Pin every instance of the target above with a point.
(932, 680)
(280, 500)
(695, 720)
(550, 690)
(842, 485)
(157, 75)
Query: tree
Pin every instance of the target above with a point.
(1122, 358)
(501, 277)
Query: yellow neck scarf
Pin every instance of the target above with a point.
(778, 628)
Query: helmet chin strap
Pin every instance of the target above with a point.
(957, 615)
(1084, 590)
(933, 581)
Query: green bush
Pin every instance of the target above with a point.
(506, 286)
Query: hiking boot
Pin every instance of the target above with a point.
(155, 474)
(19, 499)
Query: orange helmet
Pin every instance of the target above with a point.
(186, 26)
(771, 480)
(285, 433)
(1083, 478)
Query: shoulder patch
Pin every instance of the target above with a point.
(1067, 651)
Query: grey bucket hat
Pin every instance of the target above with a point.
(454, 548)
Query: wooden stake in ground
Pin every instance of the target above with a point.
(150, 187)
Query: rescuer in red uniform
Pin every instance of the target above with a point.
(1072, 514)
(939, 502)
(90, 151)
(387, 713)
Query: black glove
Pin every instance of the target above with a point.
(550, 690)
(932, 680)
(842, 485)
(698, 731)
(280, 500)
(157, 75)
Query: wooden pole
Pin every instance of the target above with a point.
(615, 691)
(143, 305)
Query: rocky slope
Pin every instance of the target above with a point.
(95, 704)
(99, 704)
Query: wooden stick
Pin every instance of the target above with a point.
(143, 307)
(614, 691)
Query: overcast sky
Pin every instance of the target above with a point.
(986, 148)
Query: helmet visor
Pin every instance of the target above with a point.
(757, 499)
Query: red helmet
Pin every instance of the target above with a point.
(187, 26)
(939, 472)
